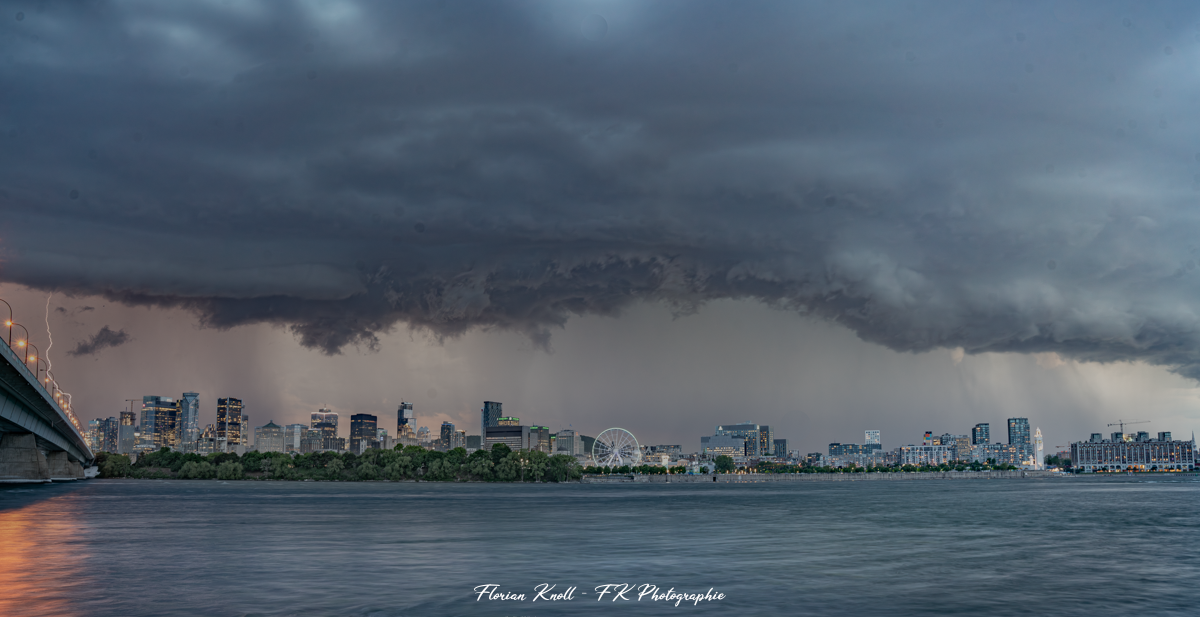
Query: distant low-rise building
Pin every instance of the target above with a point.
(925, 455)
(998, 453)
(1140, 454)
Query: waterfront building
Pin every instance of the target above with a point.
(508, 421)
(189, 417)
(1141, 454)
(159, 415)
(981, 434)
(925, 455)
(568, 442)
(999, 453)
(748, 432)
(718, 445)
(362, 432)
(781, 448)
(293, 434)
(490, 416)
(127, 432)
(666, 449)
(872, 437)
(766, 441)
(539, 439)
(229, 421)
(961, 445)
(406, 421)
(1018, 435)
(515, 437)
(269, 437)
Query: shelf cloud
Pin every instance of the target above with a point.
(984, 177)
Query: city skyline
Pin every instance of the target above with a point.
(1071, 395)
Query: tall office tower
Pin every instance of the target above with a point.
(106, 434)
(423, 433)
(460, 440)
(246, 435)
(189, 417)
(406, 422)
(92, 436)
(293, 434)
(446, 440)
(362, 432)
(766, 441)
(1018, 435)
(1039, 459)
(229, 421)
(490, 416)
(746, 431)
(126, 432)
(871, 437)
(981, 434)
(158, 422)
(781, 447)
(325, 416)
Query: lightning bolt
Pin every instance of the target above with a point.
(65, 403)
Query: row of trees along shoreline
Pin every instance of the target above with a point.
(500, 464)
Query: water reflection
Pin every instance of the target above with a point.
(42, 554)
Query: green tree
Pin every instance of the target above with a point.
(509, 468)
(230, 470)
(333, 469)
(367, 471)
(723, 463)
(115, 466)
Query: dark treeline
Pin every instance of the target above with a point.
(500, 464)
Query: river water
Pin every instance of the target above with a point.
(960, 547)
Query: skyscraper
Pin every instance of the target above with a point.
(490, 416)
(362, 432)
(981, 434)
(1018, 435)
(446, 441)
(406, 422)
(126, 432)
(189, 417)
(324, 416)
(229, 421)
(766, 441)
(158, 422)
(293, 434)
(269, 438)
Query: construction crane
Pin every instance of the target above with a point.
(1122, 423)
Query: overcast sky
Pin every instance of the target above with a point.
(824, 216)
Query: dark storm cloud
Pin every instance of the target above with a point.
(989, 176)
(99, 341)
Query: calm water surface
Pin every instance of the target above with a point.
(1008, 547)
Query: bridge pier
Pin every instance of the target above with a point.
(21, 461)
(62, 469)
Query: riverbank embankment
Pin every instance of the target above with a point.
(731, 478)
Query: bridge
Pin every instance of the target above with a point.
(39, 441)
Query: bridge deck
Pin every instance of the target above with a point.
(25, 407)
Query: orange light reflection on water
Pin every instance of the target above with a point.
(40, 563)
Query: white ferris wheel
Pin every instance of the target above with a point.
(616, 447)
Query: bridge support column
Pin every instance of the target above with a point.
(21, 460)
(60, 467)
